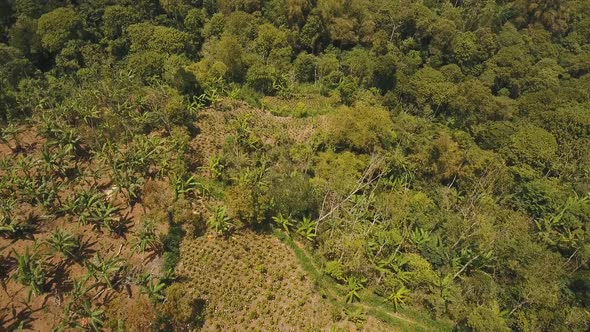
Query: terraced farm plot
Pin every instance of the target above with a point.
(253, 282)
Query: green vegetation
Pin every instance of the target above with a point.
(428, 162)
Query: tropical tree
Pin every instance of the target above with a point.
(57, 27)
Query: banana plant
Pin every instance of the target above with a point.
(197, 103)
(53, 162)
(82, 203)
(18, 228)
(25, 164)
(220, 221)
(153, 288)
(215, 166)
(26, 187)
(356, 315)
(307, 228)
(420, 237)
(445, 287)
(354, 285)
(12, 226)
(66, 139)
(104, 214)
(7, 207)
(83, 316)
(93, 316)
(182, 187)
(145, 153)
(146, 238)
(80, 288)
(130, 185)
(47, 192)
(31, 271)
(105, 269)
(283, 222)
(66, 244)
(9, 136)
(398, 297)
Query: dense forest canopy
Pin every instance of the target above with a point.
(448, 164)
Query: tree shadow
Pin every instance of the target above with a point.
(59, 278)
(24, 229)
(152, 254)
(84, 251)
(7, 263)
(199, 306)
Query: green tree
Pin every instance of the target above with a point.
(262, 78)
(305, 67)
(230, 53)
(272, 45)
(23, 36)
(313, 34)
(360, 128)
(58, 27)
(161, 39)
(534, 146)
(14, 66)
(30, 8)
(431, 88)
(116, 19)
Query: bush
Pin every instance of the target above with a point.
(362, 128)
(181, 311)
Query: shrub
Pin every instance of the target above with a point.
(181, 311)
(361, 128)
(334, 270)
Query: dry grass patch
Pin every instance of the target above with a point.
(254, 282)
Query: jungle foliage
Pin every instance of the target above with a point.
(449, 168)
